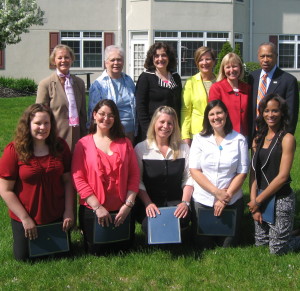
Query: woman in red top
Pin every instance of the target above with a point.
(106, 175)
(233, 92)
(35, 180)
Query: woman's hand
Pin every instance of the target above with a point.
(104, 218)
(187, 141)
(152, 210)
(218, 208)
(253, 206)
(68, 220)
(182, 210)
(30, 228)
(222, 196)
(257, 217)
(122, 214)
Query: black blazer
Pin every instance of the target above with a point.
(285, 85)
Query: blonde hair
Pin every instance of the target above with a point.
(175, 138)
(61, 47)
(200, 51)
(230, 58)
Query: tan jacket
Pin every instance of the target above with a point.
(52, 93)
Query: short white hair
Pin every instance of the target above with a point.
(111, 48)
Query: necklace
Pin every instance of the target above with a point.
(268, 139)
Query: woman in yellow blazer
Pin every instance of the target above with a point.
(195, 94)
(65, 95)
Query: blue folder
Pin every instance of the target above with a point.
(211, 225)
(164, 228)
(268, 209)
(51, 240)
(111, 234)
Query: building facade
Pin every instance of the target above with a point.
(88, 26)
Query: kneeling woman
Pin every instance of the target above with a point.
(219, 166)
(273, 155)
(163, 162)
(35, 180)
(106, 175)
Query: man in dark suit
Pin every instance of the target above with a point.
(278, 81)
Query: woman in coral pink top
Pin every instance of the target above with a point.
(106, 174)
(234, 93)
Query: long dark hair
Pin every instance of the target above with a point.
(261, 125)
(23, 139)
(117, 130)
(172, 65)
(207, 128)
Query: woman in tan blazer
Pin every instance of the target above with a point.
(65, 94)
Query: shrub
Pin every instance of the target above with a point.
(23, 85)
(250, 67)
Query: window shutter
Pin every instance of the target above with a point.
(2, 59)
(53, 42)
(274, 39)
(108, 39)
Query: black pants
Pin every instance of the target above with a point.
(86, 223)
(209, 242)
(20, 245)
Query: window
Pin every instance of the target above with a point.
(185, 44)
(289, 50)
(87, 46)
(238, 41)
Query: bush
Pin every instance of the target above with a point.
(23, 85)
(250, 67)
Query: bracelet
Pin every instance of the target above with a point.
(186, 202)
(97, 208)
(257, 203)
(130, 202)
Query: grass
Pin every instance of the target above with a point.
(178, 267)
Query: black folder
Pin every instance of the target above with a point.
(164, 228)
(51, 240)
(111, 233)
(211, 225)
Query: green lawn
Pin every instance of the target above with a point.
(179, 267)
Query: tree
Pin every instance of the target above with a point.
(226, 48)
(16, 16)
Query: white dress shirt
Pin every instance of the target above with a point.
(220, 164)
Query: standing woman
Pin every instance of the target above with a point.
(233, 92)
(35, 180)
(163, 161)
(158, 85)
(105, 173)
(195, 94)
(273, 155)
(219, 166)
(115, 85)
(65, 94)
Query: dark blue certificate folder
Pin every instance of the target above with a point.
(164, 228)
(223, 225)
(111, 234)
(268, 209)
(51, 240)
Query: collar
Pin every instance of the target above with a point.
(153, 146)
(270, 74)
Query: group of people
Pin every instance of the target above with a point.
(134, 158)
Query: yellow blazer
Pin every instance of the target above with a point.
(51, 92)
(194, 101)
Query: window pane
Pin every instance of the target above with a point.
(216, 46)
(298, 66)
(188, 66)
(70, 34)
(286, 55)
(92, 54)
(92, 34)
(75, 46)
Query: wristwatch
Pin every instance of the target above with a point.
(186, 202)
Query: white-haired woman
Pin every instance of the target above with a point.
(163, 161)
(117, 86)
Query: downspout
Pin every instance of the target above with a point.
(251, 31)
(120, 26)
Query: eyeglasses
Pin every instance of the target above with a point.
(103, 115)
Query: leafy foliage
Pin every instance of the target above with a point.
(16, 16)
(250, 67)
(226, 48)
(24, 85)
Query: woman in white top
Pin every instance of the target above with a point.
(219, 165)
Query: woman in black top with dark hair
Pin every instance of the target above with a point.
(158, 85)
(273, 155)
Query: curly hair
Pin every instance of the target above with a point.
(261, 125)
(23, 140)
(117, 130)
(172, 65)
(174, 139)
(207, 128)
